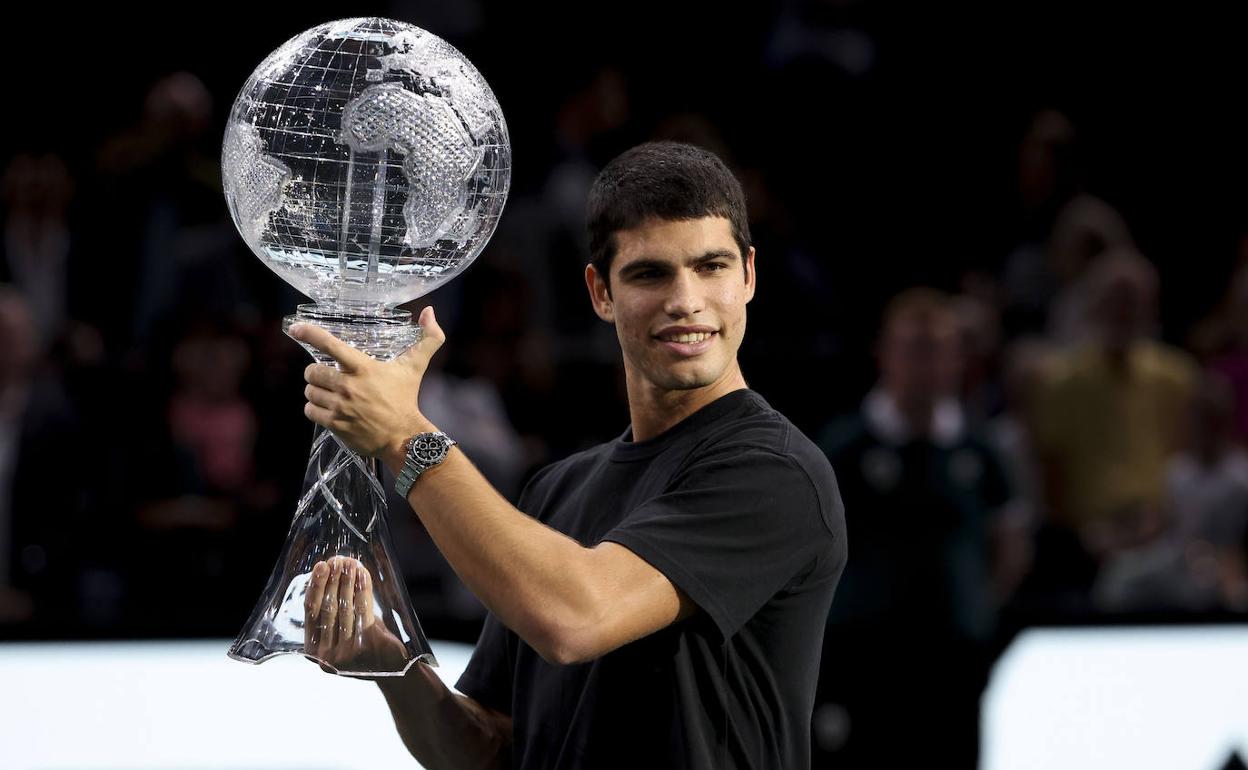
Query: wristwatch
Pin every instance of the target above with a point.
(424, 450)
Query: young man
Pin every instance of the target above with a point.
(663, 602)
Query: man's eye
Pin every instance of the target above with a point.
(714, 265)
(647, 274)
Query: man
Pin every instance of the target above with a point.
(1108, 414)
(1105, 416)
(663, 603)
(926, 496)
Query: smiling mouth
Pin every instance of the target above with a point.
(687, 338)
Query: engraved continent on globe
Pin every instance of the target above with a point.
(366, 161)
(422, 128)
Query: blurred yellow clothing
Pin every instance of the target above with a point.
(1105, 432)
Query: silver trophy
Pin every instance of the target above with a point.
(366, 162)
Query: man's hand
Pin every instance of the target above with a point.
(371, 405)
(339, 625)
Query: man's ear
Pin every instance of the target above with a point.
(599, 294)
(751, 276)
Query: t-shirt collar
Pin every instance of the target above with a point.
(624, 449)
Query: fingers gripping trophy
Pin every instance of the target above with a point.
(366, 162)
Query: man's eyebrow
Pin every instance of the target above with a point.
(715, 254)
(641, 264)
(638, 265)
(718, 253)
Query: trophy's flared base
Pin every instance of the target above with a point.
(336, 598)
(253, 652)
(335, 595)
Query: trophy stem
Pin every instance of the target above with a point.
(346, 217)
(341, 515)
(379, 210)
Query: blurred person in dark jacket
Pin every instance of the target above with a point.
(922, 493)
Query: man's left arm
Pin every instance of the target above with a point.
(569, 602)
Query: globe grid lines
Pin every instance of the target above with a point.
(294, 98)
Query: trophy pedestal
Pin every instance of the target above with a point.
(341, 513)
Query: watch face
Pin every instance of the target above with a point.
(429, 449)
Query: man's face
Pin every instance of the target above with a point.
(677, 299)
(919, 359)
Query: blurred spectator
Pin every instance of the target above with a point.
(1085, 229)
(1198, 564)
(40, 502)
(208, 418)
(195, 482)
(17, 356)
(586, 124)
(915, 610)
(796, 317)
(1106, 420)
(979, 347)
(1223, 342)
(1025, 362)
(1049, 175)
(159, 222)
(1062, 229)
(37, 193)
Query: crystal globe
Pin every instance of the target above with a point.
(366, 161)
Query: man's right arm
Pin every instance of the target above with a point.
(443, 729)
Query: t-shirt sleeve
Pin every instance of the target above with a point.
(489, 676)
(733, 529)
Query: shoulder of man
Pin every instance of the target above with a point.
(757, 430)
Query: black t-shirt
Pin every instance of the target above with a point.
(741, 512)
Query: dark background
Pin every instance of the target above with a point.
(878, 144)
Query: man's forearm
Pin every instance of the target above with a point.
(535, 579)
(443, 730)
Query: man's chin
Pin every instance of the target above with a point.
(686, 380)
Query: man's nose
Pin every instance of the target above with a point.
(685, 298)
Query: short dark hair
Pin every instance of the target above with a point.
(667, 180)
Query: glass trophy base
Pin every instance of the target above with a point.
(336, 595)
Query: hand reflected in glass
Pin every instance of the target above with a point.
(340, 624)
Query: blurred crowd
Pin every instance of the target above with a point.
(1030, 453)
(1015, 444)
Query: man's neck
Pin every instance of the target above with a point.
(654, 410)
